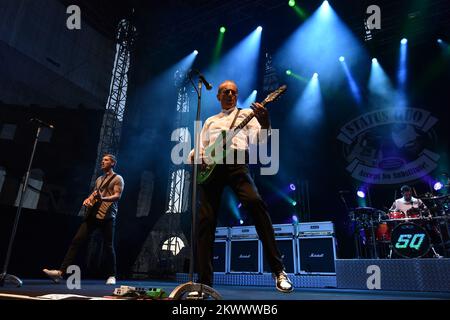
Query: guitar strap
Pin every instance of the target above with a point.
(103, 187)
(93, 210)
(235, 117)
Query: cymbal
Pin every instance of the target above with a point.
(365, 208)
(404, 219)
(434, 197)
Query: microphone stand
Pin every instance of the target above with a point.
(5, 277)
(180, 291)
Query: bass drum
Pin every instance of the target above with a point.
(410, 240)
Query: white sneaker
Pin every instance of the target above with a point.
(55, 275)
(111, 280)
(282, 282)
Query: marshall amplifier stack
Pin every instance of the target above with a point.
(306, 248)
(221, 251)
(316, 248)
(285, 238)
(245, 250)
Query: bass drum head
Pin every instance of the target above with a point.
(410, 240)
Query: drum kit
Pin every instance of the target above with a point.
(416, 233)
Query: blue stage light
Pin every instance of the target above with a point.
(381, 90)
(341, 59)
(308, 109)
(351, 81)
(404, 41)
(438, 186)
(292, 187)
(361, 194)
(240, 64)
(250, 99)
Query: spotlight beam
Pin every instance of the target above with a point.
(402, 67)
(309, 109)
(219, 45)
(296, 76)
(351, 81)
(239, 64)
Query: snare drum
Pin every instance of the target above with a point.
(396, 215)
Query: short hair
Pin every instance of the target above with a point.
(112, 157)
(218, 89)
(405, 188)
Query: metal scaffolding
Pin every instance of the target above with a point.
(179, 179)
(270, 75)
(115, 107)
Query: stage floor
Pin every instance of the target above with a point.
(33, 288)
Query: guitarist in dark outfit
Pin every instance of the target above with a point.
(236, 176)
(101, 212)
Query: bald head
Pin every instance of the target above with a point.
(225, 84)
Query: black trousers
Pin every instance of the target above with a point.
(84, 232)
(239, 179)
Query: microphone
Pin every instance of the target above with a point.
(202, 78)
(42, 123)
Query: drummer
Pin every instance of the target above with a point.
(407, 202)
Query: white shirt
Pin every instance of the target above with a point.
(403, 205)
(222, 121)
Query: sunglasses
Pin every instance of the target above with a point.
(228, 91)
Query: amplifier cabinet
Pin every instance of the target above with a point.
(316, 255)
(245, 256)
(221, 256)
(222, 233)
(288, 250)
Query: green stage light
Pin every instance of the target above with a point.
(218, 48)
(290, 73)
(291, 3)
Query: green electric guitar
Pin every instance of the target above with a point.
(223, 140)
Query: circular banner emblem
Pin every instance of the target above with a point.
(390, 146)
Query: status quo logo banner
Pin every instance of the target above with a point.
(390, 146)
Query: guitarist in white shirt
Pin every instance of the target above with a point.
(101, 212)
(236, 176)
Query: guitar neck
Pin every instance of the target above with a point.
(271, 97)
(245, 121)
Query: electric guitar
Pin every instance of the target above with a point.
(92, 206)
(224, 139)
